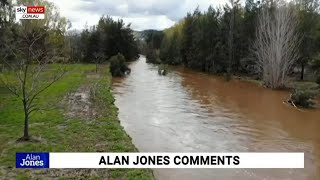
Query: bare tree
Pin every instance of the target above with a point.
(28, 70)
(277, 43)
(98, 57)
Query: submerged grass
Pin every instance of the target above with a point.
(306, 85)
(56, 132)
(292, 84)
(248, 79)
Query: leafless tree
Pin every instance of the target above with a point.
(28, 71)
(98, 57)
(277, 42)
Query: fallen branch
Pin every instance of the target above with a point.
(290, 101)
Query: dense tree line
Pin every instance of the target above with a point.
(222, 40)
(101, 42)
(92, 45)
(150, 45)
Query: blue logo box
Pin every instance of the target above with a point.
(32, 160)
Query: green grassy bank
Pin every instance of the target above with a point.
(60, 127)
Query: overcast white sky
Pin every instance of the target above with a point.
(142, 14)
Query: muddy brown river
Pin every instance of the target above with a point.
(189, 111)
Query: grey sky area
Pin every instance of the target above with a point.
(142, 14)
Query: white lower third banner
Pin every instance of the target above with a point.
(159, 160)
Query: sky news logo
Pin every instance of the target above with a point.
(30, 12)
(32, 160)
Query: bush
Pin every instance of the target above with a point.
(318, 80)
(152, 56)
(118, 65)
(163, 69)
(303, 98)
(227, 76)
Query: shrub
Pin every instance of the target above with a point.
(303, 98)
(228, 75)
(163, 69)
(152, 56)
(118, 65)
(318, 79)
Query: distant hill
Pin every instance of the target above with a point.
(138, 35)
(143, 35)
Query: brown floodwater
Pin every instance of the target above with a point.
(189, 111)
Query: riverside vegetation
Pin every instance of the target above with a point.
(55, 91)
(233, 40)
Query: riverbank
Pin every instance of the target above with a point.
(292, 84)
(79, 116)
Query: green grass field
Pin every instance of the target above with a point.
(56, 131)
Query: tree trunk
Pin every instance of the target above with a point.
(26, 121)
(302, 72)
(25, 103)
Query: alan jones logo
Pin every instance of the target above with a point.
(32, 160)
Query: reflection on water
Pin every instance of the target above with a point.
(188, 111)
